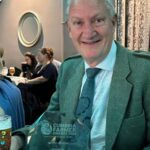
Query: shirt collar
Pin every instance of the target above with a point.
(109, 61)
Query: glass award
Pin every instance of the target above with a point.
(56, 131)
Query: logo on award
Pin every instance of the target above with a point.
(46, 128)
(57, 129)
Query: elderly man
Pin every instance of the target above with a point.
(114, 104)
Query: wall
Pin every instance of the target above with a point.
(67, 44)
(50, 13)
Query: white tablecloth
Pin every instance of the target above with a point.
(17, 80)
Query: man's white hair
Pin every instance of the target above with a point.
(109, 6)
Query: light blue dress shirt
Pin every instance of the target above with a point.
(101, 96)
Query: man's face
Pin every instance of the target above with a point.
(91, 29)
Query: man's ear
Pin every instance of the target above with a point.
(114, 20)
(69, 29)
(70, 35)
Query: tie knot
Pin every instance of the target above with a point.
(92, 72)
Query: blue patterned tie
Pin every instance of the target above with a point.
(84, 107)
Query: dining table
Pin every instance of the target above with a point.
(16, 79)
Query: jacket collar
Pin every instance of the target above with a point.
(74, 86)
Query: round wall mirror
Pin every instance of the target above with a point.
(29, 29)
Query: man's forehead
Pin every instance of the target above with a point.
(75, 2)
(79, 12)
(84, 4)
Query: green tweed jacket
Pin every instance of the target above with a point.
(128, 112)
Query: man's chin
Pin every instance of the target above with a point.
(90, 58)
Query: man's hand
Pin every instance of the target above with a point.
(16, 143)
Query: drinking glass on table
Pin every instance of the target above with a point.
(11, 70)
(5, 132)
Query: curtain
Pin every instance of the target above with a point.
(133, 24)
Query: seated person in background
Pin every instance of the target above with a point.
(1, 57)
(29, 65)
(42, 83)
(3, 68)
(55, 62)
(11, 102)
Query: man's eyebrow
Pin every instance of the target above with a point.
(98, 15)
(93, 17)
(74, 17)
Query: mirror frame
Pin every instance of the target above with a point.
(21, 37)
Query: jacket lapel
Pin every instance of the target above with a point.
(119, 96)
(74, 86)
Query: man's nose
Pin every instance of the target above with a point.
(88, 30)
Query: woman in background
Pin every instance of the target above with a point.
(29, 65)
(43, 81)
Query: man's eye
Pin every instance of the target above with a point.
(99, 21)
(77, 23)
